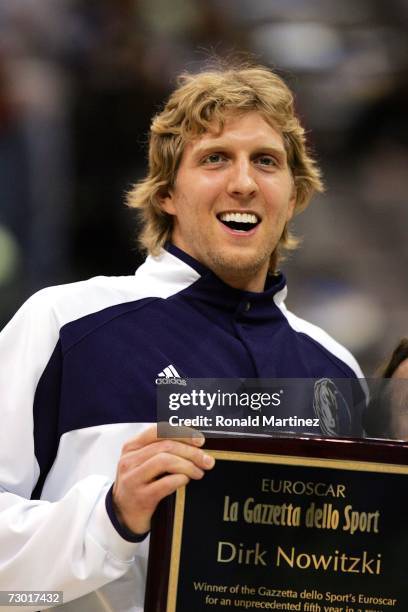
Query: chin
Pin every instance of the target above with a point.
(237, 263)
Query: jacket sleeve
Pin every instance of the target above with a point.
(71, 544)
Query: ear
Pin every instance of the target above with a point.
(166, 203)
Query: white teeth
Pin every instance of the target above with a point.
(239, 217)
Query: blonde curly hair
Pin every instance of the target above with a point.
(200, 101)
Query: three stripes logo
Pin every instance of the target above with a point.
(169, 372)
(170, 376)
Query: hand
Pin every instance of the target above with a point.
(149, 469)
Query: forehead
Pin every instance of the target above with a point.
(245, 129)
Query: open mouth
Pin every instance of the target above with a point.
(239, 222)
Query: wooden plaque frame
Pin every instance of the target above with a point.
(342, 454)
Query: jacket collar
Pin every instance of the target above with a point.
(212, 290)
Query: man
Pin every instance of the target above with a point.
(386, 415)
(228, 169)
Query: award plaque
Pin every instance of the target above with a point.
(310, 524)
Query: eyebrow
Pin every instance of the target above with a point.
(204, 148)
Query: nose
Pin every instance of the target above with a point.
(241, 182)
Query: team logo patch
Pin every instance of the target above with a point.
(331, 408)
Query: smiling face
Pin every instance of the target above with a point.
(232, 198)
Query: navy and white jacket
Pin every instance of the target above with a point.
(78, 365)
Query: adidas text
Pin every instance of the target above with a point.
(171, 381)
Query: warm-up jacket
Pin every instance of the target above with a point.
(78, 370)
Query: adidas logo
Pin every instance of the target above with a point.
(169, 372)
(170, 376)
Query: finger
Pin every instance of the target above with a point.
(180, 432)
(197, 456)
(159, 465)
(187, 435)
(167, 485)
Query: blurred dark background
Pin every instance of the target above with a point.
(79, 81)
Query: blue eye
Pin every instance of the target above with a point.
(213, 158)
(267, 160)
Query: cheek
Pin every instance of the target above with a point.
(208, 184)
(276, 186)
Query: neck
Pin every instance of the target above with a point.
(255, 284)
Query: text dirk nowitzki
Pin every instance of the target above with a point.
(325, 516)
